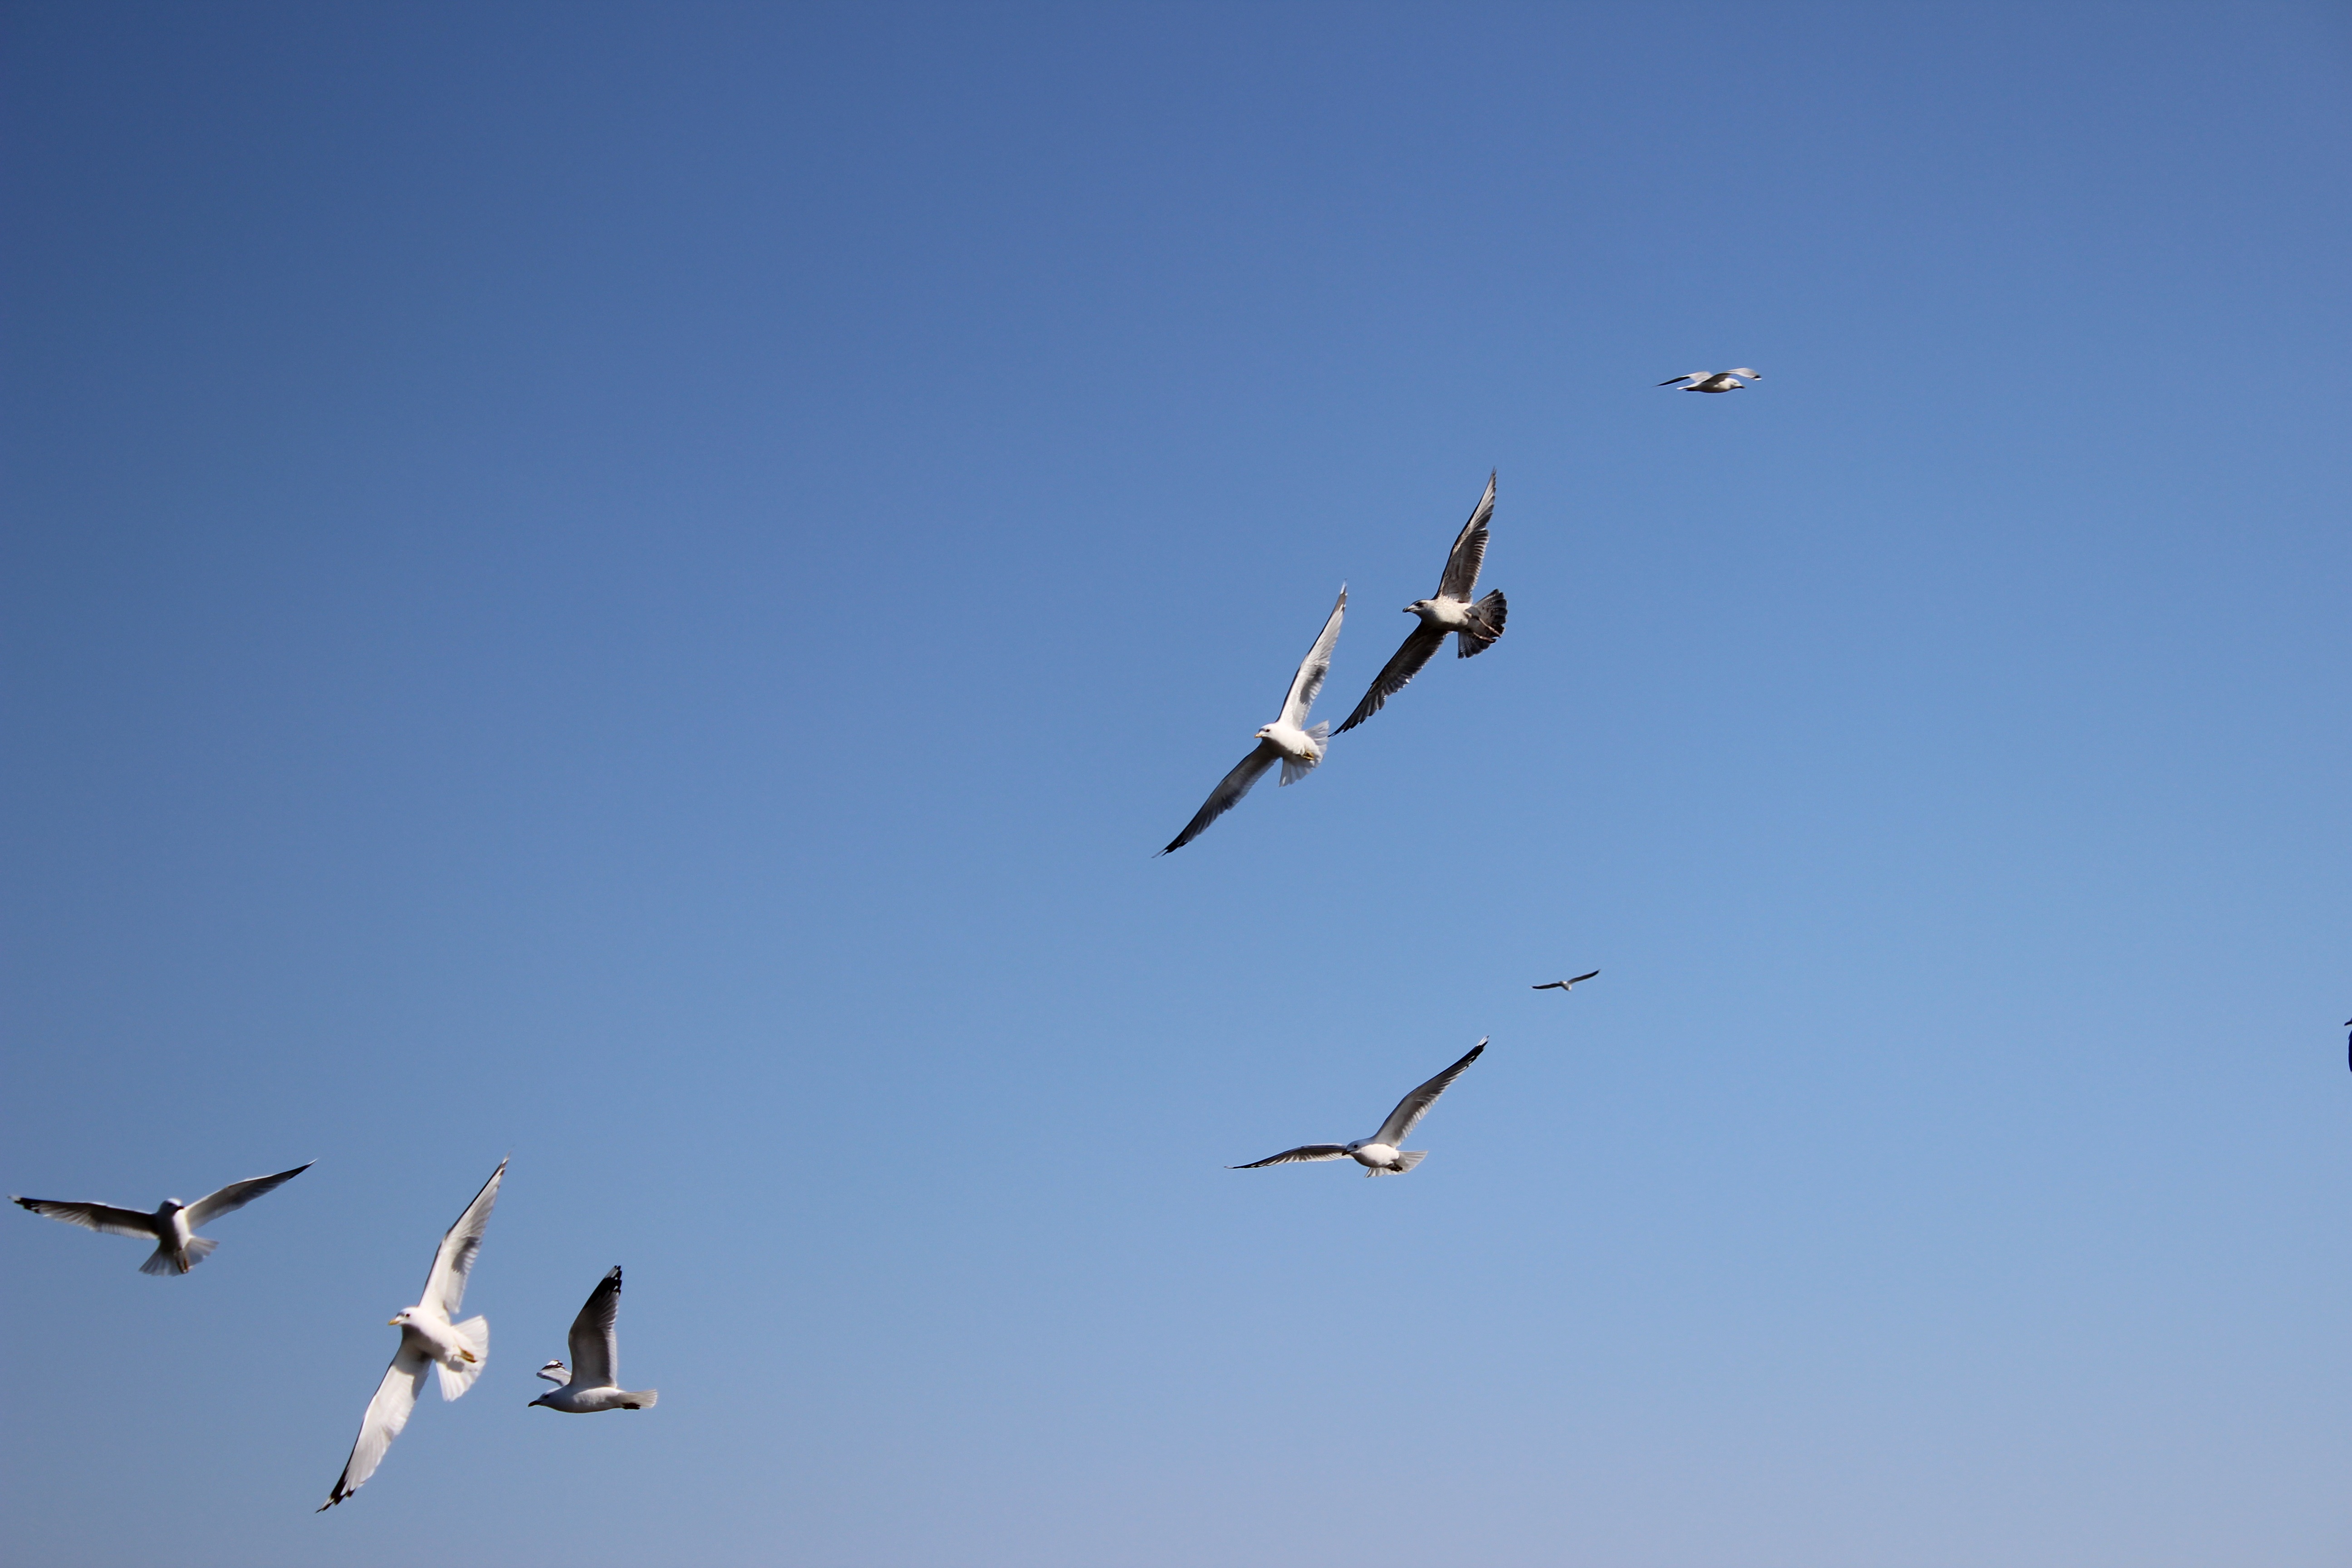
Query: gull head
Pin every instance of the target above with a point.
(401, 1318)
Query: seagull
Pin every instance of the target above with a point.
(427, 1337)
(173, 1227)
(587, 1385)
(1475, 626)
(1379, 1154)
(1285, 740)
(1715, 379)
(2348, 1055)
(1564, 985)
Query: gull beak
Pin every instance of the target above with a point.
(392, 1322)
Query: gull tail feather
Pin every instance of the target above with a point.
(163, 1260)
(1292, 769)
(455, 1381)
(1405, 1161)
(641, 1399)
(1485, 626)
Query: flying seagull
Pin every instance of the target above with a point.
(1379, 1154)
(587, 1385)
(1287, 739)
(2348, 1055)
(427, 1338)
(1475, 626)
(1564, 985)
(1715, 379)
(173, 1227)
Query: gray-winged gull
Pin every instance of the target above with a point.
(1475, 626)
(1379, 1154)
(173, 1227)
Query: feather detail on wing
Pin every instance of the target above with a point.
(445, 1287)
(1414, 1106)
(104, 1218)
(595, 1350)
(236, 1195)
(387, 1413)
(1419, 645)
(1230, 788)
(1469, 551)
(1303, 1153)
(556, 1372)
(1307, 683)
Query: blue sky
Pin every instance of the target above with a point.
(637, 587)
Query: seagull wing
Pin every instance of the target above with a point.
(1307, 683)
(1582, 978)
(1414, 1106)
(1695, 376)
(103, 1218)
(1303, 1153)
(445, 1286)
(595, 1348)
(1421, 645)
(236, 1195)
(1750, 374)
(1230, 788)
(1550, 985)
(1469, 551)
(387, 1413)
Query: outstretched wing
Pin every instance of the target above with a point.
(446, 1286)
(1309, 681)
(1750, 374)
(1230, 788)
(596, 1349)
(102, 1218)
(236, 1195)
(1304, 1153)
(1421, 645)
(1695, 376)
(387, 1413)
(1414, 1106)
(1582, 978)
(1469, 551)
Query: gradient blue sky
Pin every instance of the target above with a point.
(638, 585)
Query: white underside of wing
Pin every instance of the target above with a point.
(387, 1413)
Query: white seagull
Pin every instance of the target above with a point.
(1565, 984)
(173, 1227)
(1475, 626)
(427, 1338)
(589, 1384)
(1715, 379)
(1379, 1154)
(1285, 740)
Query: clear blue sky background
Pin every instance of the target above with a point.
(637, 587)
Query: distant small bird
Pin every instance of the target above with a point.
(587, 1385)
(1299, 750)
(1379, 1154)
(1475, 626)
(173, 1227)
(2347, 1053)
(1564, 985)
(1714, 379)
(427, 1338)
